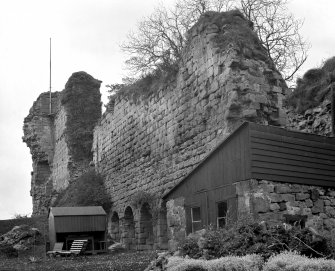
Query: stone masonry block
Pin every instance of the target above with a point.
(302, 196)
(283, 188)
(318, 206)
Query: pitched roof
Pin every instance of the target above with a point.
(264, 128)
(73, 211)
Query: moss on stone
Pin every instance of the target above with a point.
(82, 101)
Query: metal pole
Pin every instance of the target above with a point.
(333, 109)
(50, 109)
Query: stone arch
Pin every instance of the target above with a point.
(146, 231)
(128, 234)
(161, 239)
(115, 227)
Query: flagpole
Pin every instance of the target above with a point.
(50, 109)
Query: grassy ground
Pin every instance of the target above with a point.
(127, 261)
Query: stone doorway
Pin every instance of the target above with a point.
(146, 233)
(115, 227)
(128, 235)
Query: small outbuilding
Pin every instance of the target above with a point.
(267, 171)
(67, 224)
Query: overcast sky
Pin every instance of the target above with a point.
(85, 37)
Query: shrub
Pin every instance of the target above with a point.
(146, 85)
(292, 261)
(329, 65)
(87, 190)
(8, 251)
(312, 88)
(251, 237)
(246, 263)
(191, 248)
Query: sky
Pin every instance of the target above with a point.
(86, 35)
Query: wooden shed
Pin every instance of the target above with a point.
(67, 224)
(252, 151)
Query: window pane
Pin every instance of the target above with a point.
(196, 214)
(222, 209)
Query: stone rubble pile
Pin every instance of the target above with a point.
(21, 238)
(315, 120)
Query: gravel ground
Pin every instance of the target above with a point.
(127, 261)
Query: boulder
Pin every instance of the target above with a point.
(20, 238)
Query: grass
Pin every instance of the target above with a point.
(313, 87)
(127, 261)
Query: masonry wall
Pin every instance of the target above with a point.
(61, 157)
(269, 201)
(38, 135)
(150, 143)
(273, 201)
(47, 136)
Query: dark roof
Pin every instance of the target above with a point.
(73, 211)
(266, 128)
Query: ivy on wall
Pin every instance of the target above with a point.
(87, 190)
(82, 101)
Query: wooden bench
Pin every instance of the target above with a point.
(57, 248)
(77, 248)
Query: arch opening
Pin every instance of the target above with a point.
(146, 232)
(128, 234)
(115, 227)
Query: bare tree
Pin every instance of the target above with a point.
(160, 37)
(278, 31)
(158, 41)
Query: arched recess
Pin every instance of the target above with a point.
(115, 227)
(128, 234)
(146, 233)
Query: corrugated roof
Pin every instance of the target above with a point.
(72, 211)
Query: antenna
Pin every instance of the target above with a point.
(50, 109)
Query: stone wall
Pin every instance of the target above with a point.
(274, 201)
(269, 201)
(47, 136)
(176, 222)
(61, 156)
(39, 136)
(151, 143)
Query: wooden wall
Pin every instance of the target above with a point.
(212, 181)
(286, 156)
(80, 223)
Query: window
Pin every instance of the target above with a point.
(221, 214)
(196, 219)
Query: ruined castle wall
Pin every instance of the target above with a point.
(39, 136)
(151, 143)
(61, 158)
(47, 135)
